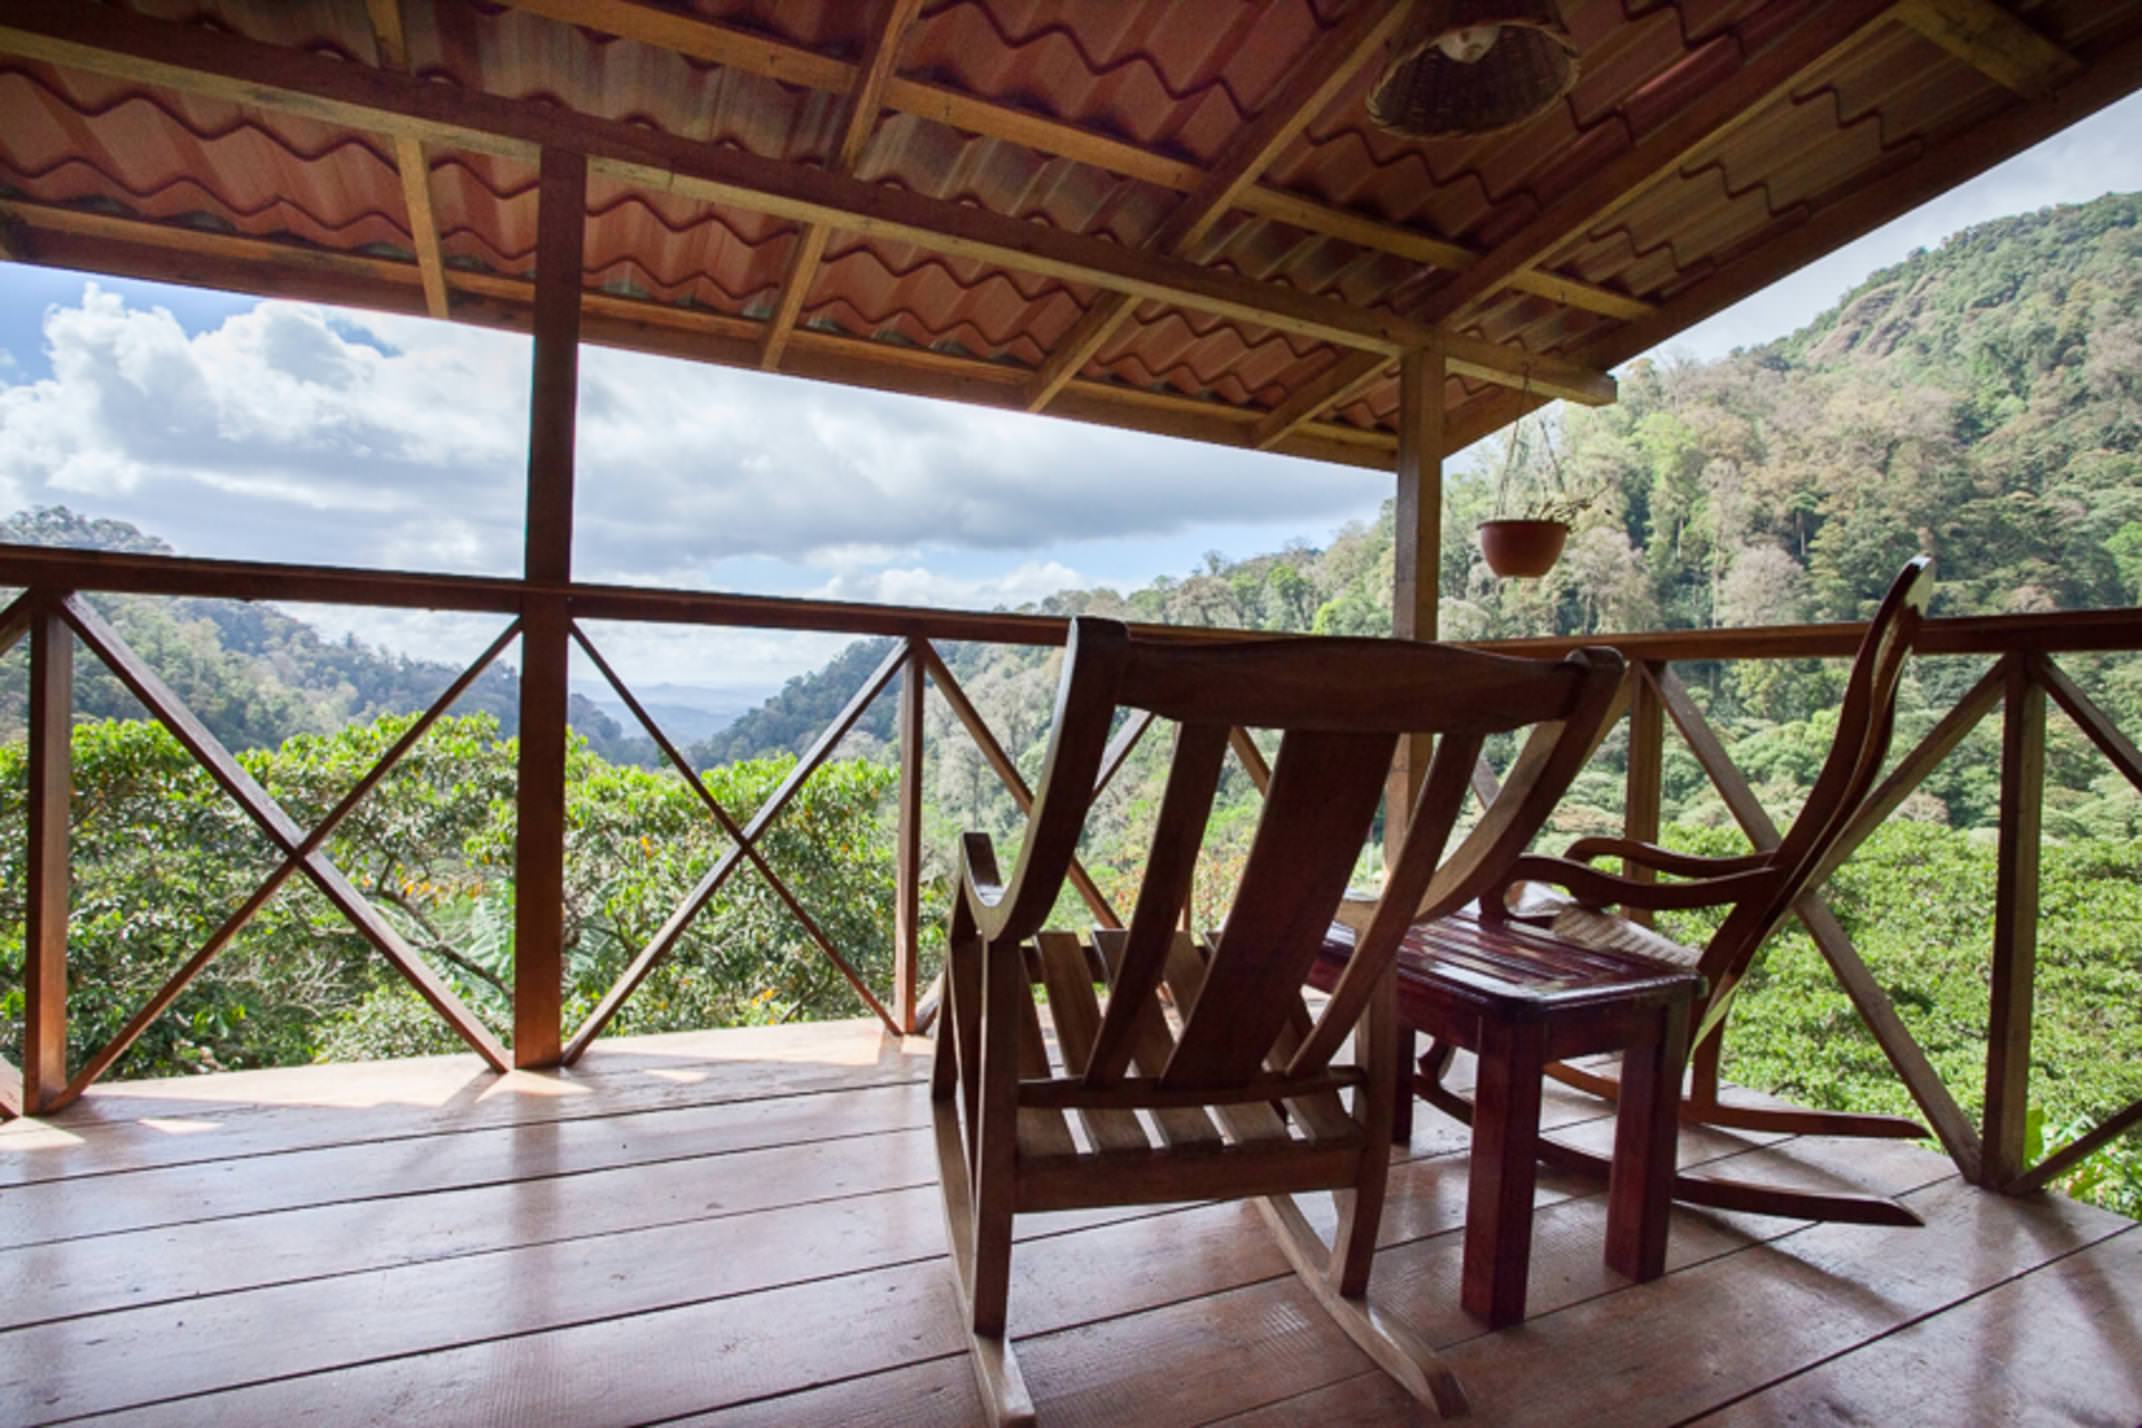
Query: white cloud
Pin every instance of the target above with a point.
(917, 585)
(291, 432)
(302, 433)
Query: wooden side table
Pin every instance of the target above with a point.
(1519, 998)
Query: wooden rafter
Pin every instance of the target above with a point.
(1995, 43)
(411, 162)
(165, 252)
(1316, 79)
(863, 106)
(194, 60)
(1828, 31)
(2112, 75)
(1722, 110)
(792, 64)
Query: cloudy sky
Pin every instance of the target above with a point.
(279, 431)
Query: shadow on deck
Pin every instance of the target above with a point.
(743, 1227)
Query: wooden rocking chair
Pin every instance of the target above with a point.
(1758, 890)
(1190, 1109)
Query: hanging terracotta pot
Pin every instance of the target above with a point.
(1522, 548)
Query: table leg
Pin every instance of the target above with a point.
(1498, 1211)
(1646, 1125)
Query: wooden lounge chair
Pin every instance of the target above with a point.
(1758, 891)
(1149, 1110)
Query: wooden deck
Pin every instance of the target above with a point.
(742, 1227)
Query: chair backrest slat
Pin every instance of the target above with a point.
(1316, 818)
(1340, 707)
(1193, 780)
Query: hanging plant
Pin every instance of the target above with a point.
(1533, 513)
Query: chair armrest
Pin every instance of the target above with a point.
(978, 873)
(1665, 860)
(1595, 889)
(977, 888)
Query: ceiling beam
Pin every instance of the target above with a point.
(1823, 227)
(864, 103)
(1995, 43)
(410, 161)
(759, 54)
(1827, 32)
(247, 72)
(1308, 90)
(175, 253)
(1335, 386)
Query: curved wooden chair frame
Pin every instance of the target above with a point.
(1758, 890)
(1189, 1108)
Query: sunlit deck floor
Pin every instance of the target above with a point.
(743, 1227)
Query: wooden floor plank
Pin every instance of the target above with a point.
(2061, 1344)
(1798, 1299)
(191, 1262)
(418, 1319)
(140, 1124)
(1191, 1363)
(207, 1190)
(696, 1233)
(600, 1187)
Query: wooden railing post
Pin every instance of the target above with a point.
(2015, 925)
(44, 1032)
(1647, 763)
(539, 844)
(907, 890)
(1417, 556)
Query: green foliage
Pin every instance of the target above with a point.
(1917, 901)
(1982, 402)
(161, 858)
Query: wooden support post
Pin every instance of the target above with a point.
(1647, 762)
(539, 847)
(907, 888)
(44, 1032)
(1417, 561)
(2015, 926)
(554, 390)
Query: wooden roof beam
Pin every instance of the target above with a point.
(715, 43)
(1828, 31)
(1995, 43)
(411, 162)
(196, 60)
(1308, 90)
(863, 106)
(176, 253)
(2110, 76)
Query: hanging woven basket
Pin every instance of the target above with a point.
(1480, 66)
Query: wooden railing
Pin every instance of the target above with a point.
(52, 615)
(2023, 674)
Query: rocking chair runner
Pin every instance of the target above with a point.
(1758, 890)
(1172, 1115)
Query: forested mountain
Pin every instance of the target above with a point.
(255, 675)
(1981, 402)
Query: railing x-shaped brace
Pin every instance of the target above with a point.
(301, 849)
(743, 839)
